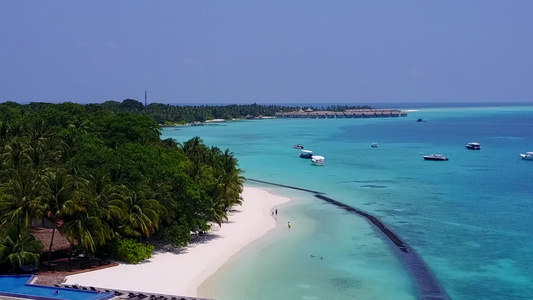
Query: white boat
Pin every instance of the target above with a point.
(374, 145)
(318, 160)
(527, 156)
(306, 154)
(435, 157)
(473, 146)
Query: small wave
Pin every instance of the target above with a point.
(374, 186)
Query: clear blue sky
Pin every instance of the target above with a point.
(267, 51)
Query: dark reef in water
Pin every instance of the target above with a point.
(428, 286)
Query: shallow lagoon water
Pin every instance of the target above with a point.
(469, 218)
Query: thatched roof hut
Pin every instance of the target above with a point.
(44, 235)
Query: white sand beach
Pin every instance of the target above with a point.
(181, 274)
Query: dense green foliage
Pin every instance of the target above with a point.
(130, 251)
(164, 113)
(107, 176)
(181, 114)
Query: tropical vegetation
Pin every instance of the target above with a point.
(105, 180)
(165, 113)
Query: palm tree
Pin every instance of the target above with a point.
(106, 198)
(36, 130)
(19, 198)
(88, 230)
(160, 191)
(170, 143)
(68, 145)
(85, 216)
(41, 154)
(142, 213)
(195, 149)
(229, 178)
(218, 209)
(58, 195)
(15, 155)
(18, 247)
(198, 153)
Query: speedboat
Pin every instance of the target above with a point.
(306, 154)
(435, 157)
(298, 146)
(473, 146)
(318, 160)
(374, 145)
(527, 156)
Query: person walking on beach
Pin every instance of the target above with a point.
(276, 211)
(289, 225)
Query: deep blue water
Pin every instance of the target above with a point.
(470, 218)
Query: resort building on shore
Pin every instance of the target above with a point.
(350, 113)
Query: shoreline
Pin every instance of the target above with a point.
(183, 272)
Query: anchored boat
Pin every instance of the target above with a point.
(306, 154)
(318, 160)
(527, 156)
(473, 146)
(435, 157)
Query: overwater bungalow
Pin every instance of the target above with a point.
(350, 113)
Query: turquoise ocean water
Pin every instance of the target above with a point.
(469, 218)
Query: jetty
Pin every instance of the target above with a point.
(350, 113)
(427, 285)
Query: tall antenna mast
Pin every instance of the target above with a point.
(145, 101)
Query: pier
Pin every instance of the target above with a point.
(347, 114)
(427, 285)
